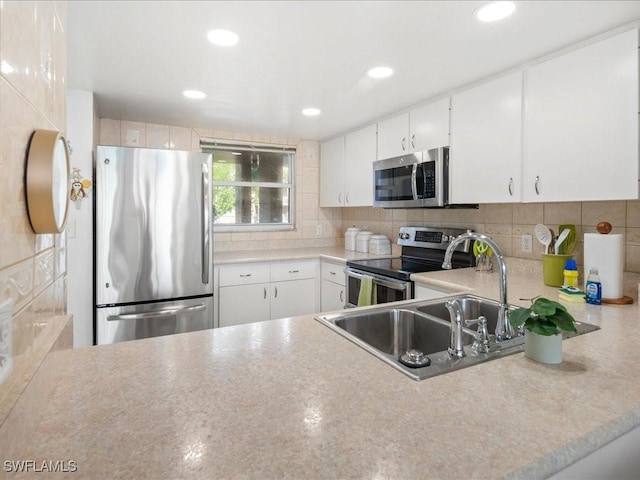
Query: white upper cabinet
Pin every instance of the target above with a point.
(423, 128)
(486, 142)
(429, 126)
(360, 153)
(581, 124)
(346, 169)
(393, 137)
(332, 173)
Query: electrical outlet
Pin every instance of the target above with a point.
(525, 242)
(319, 230)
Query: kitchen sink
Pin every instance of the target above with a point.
(390, 332)
(395, 331)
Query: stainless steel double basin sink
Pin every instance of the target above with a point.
(389, 332)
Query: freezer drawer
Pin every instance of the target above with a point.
(119, 324)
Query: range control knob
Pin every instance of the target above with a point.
(403, 236)
(445, 238)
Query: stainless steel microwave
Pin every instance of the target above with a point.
(414, 180)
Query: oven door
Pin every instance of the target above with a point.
(386, 289)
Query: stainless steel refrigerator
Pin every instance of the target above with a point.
(153, 243)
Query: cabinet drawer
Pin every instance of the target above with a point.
(244, 274)
(333, 273)
(281, 272)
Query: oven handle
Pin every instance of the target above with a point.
(414, 183)
(385, 282)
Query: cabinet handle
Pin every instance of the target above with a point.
(404, 144)
(265, 292)
(276, 292)
(340, 198)
(511, 186)
(536, 185)
(294, 271)
(332, 273)
(413, 141)
(245, 275)
(342, 295)
(346, 198)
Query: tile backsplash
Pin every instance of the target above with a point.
(32, 267)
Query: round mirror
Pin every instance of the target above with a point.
(47, 181)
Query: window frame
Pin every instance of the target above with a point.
(209, 145)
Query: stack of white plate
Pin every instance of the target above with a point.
(379, 245)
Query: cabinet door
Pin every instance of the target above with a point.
(486, 142)
(243, 304)
(429, 126)
(581, 124)
(360, 153)
(427, 293)
(393, 137)
(332, 173)
(290, 299)
(332, 296)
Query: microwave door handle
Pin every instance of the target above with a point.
(414, 185)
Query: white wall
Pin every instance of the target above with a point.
(80, 133)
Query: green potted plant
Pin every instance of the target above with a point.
(543, 323)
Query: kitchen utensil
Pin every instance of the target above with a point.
(568, 246)
(561, 238)
(543, 234)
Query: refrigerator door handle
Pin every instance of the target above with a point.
(206, 223)
(169, 312)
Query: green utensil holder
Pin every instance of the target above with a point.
(553, 269)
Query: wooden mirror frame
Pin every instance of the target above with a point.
(47, 181)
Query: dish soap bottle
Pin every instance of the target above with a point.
(593, 288)
(570, 274)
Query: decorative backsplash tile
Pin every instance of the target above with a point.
(16, 283)
(44, 268)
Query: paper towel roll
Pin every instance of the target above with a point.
(606, 253)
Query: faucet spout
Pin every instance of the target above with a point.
(456, 348)
(504, 330)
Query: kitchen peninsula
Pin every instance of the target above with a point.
(289, 398)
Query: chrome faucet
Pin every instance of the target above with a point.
(456, 347)
(504, 330)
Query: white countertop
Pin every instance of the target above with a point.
(289, 398)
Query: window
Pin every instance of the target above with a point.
(251, 184)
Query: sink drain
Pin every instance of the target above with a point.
(414, 359)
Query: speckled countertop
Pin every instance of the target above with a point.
(336, 254)
(290, 398)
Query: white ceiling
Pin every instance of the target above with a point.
(138, 57)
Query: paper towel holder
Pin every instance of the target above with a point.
(604, 228)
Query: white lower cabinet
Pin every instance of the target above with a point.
(257, 292)
(240, 304)
(427, 293)
(333, 289)
(289, 299)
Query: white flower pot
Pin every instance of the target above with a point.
(541, 348)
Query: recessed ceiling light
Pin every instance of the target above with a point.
(222, 38)
(194, 94)
(311, 112)
(493, 11)
(380, 72)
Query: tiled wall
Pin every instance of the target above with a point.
(505, 223)
(308, 214)
(32, 267)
